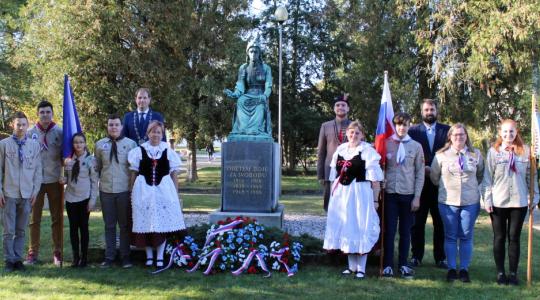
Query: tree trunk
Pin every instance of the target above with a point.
(192, 145)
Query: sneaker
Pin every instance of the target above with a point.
(512, 279)
(501, 279)
(57, 259)
(464, 276)
(406, 272)
(388, 272)
(18, 266)
(348, 272)
(451, 276)
(415, 262)
(126, 263)
(9, 267)
(106, 264)
(441, 264)
(31, 259)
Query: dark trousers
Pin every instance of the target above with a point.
(507, 222)
(327, 185)
(428, 204)
(78, 216)
(116, 208)
(397, 208)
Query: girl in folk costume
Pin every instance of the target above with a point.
(155, 203)
(506, 190)
(80, 195)
(352, 224)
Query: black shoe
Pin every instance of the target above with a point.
(512, 279)
(106, 264)
(18, 266)
(9, 267)
(464, 276)
(75, 263)
(441, 264)
(415, 262)
(83, 263)
(451, 276)
(126, 263)
(159, 264)
(501, 279)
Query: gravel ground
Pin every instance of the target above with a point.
(294, 224)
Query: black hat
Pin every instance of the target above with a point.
(342, 98)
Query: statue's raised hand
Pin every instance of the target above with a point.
(230, 94)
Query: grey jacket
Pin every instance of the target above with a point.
(86, 186)
(16, 180)
(505, 188)
(408, 178)
(457, 187)
(113, 176)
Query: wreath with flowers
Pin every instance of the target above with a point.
(238, 246)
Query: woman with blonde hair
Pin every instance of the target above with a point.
(458, 169)
(155, 203)
(352, 224)
(506, 196)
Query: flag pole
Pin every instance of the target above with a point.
(532, 182)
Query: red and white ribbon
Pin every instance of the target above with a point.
(344, 165)
(248, 260)
(177, 251)
(279, 255)
(222, 228)
(214, 254)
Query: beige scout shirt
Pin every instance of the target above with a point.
(51, 156)
(458, 187)
(86, 186)
(407, 178)
(503, 187)
(114, 177)
(18, 181)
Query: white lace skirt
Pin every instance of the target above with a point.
(156, 208)
(352, 223)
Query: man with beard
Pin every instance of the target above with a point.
(432, 136)
(331, 135)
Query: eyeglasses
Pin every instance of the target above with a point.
(458, 134)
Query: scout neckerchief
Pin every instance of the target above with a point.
(76, 167)
(20, 143)
(340, 134)
(461, 158)
(511, 159)
(114, 148)
(136, 123)
(400, 156)
(45, 145)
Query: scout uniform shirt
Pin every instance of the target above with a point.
(114, 177)
(86, 186)
(20, 180)
(51, 151)
(408, 177)
(458, 180)
(505, 187)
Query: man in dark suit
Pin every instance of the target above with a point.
(331, 135)
(136, 122)
(432, 136)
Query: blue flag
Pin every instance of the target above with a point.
(71, 124)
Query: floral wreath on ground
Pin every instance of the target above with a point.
(236, 246)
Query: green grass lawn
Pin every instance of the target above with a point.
(46, 281)
(210, 178)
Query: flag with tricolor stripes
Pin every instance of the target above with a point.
(385, 127)
(535, 128)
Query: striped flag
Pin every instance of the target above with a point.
(71, 124)
(385, 128)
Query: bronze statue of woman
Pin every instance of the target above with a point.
(251, 120)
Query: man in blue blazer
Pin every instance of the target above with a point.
(432, 136)
(136, 122)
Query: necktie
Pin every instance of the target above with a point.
(142, 117)
(431, 137)
(20, 143)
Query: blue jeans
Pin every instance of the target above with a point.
(397, 208)
(459, 225)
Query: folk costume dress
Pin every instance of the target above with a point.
(352, 223)
(155, 203)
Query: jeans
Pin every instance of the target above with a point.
(459, 226)
(116, 208)
(15, 215)
(397, 208)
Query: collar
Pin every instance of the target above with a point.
(404, 139)
(143, 112)
(79, 157)
(456, 151)
(162, 146)
(432, 126)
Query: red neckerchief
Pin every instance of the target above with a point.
(45, 131)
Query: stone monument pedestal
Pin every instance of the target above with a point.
(250, 182)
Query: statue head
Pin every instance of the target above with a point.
(254, 50)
